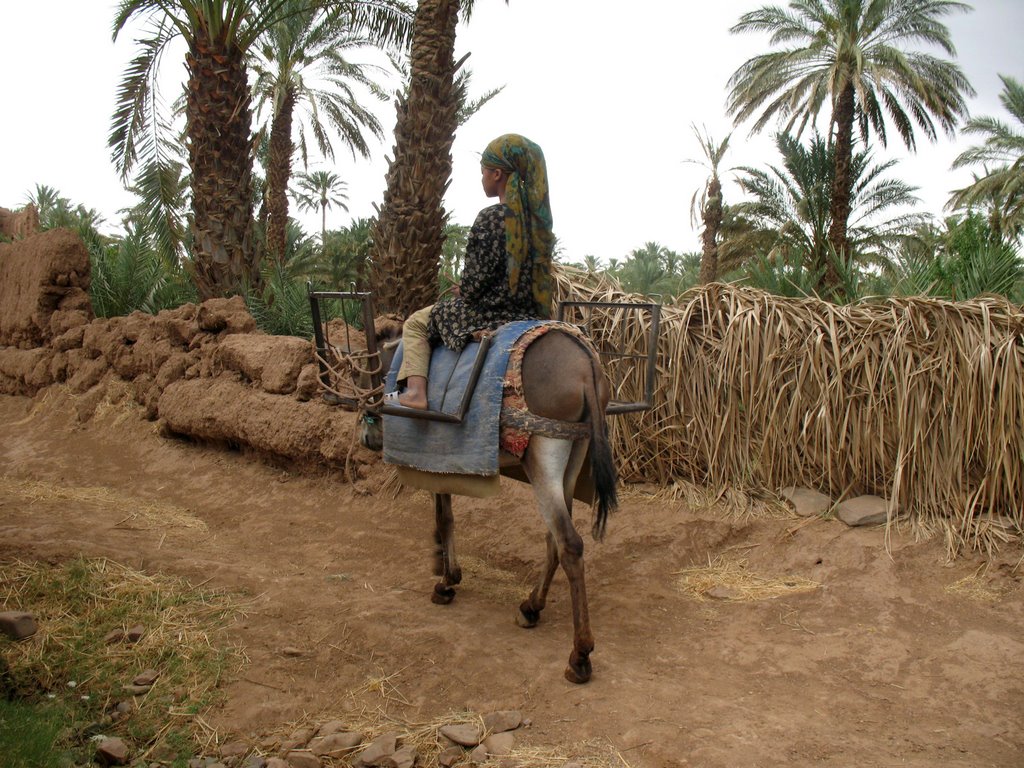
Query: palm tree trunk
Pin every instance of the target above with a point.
(712, 216)
(409, 233)
(323, 223)
(842, 183)
(278, 174)
(220, 147)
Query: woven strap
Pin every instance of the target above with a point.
(517, 418)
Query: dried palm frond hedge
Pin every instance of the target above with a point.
(918, 400)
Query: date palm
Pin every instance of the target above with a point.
(410, 230)
(1001, 153)
(305, 75)
(218, 135)
(856, 59)
(321, 190)
(707, 203)
(789, 215)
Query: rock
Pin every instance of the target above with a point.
(506, 720)
(720, 593)
(302, 758)
(299, 738)
(463, 734)
(255, 761)
(276, 762)
(499, 744)
(331, 726)
(478, 755)
(234, 749)
(450, 757)
(112, 752)
(18, 625)
(137, 690)
(404, 758)
(807, 502)
(134, 634)
(377, 751)
(863, 510)
(114, 636)
(289, 650)
(146, 677)
(335, 744)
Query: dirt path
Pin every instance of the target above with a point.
(881, 665)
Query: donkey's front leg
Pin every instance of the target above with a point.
(545, 463)
(445, 563)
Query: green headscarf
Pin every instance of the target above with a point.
(527, 213)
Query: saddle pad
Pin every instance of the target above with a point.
(469, 448)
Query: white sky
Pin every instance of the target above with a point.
(608, 90)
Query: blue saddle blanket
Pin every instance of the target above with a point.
(469, 448)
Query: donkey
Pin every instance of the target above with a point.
(562, 381)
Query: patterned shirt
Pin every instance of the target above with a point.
(485, 302)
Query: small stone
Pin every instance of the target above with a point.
(807, 502)
(290, 650)
(720, 593)
(147, 677)
(234, 749)
(297, 740)
(197, 762)
(335, 744)
(137, 690)
(331, 726)
(478, 755)
(378, 749)
(112, 751)
(18, 625)
(114, 636)
(499, 744)
(863, 510)
(464, 734)
(499, 722)
(255, 761)
(450, 757)
(301, 758)
(276, 762)
(124, 707)
(134, 634)
(404, 758)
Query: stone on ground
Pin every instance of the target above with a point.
(499, 722)
(18, 625)
(112, 751)
(807, 502)
(863, 510)
(463, 734)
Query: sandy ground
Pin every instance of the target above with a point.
(881, 665)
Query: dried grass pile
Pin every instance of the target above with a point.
(917, 400)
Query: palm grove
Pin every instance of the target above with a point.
(269, 78)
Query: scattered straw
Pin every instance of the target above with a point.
(729, 579)
(976, 587)
(151, 513)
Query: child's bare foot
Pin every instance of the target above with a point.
(411, 400)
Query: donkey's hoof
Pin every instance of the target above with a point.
(442, 595)
(527, 617)
(579, 670)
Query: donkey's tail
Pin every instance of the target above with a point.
(602, 465)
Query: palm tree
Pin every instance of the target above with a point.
(301, 64)
(219, 35)
(789, 215)
(1002, 150)
(854, 55)
(410, 231)
(708, 203)
(321, 190)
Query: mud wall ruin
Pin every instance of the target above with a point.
(204, 371)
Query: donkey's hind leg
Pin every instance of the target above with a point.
(545, 462)
(445, 565)
(529, 611)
